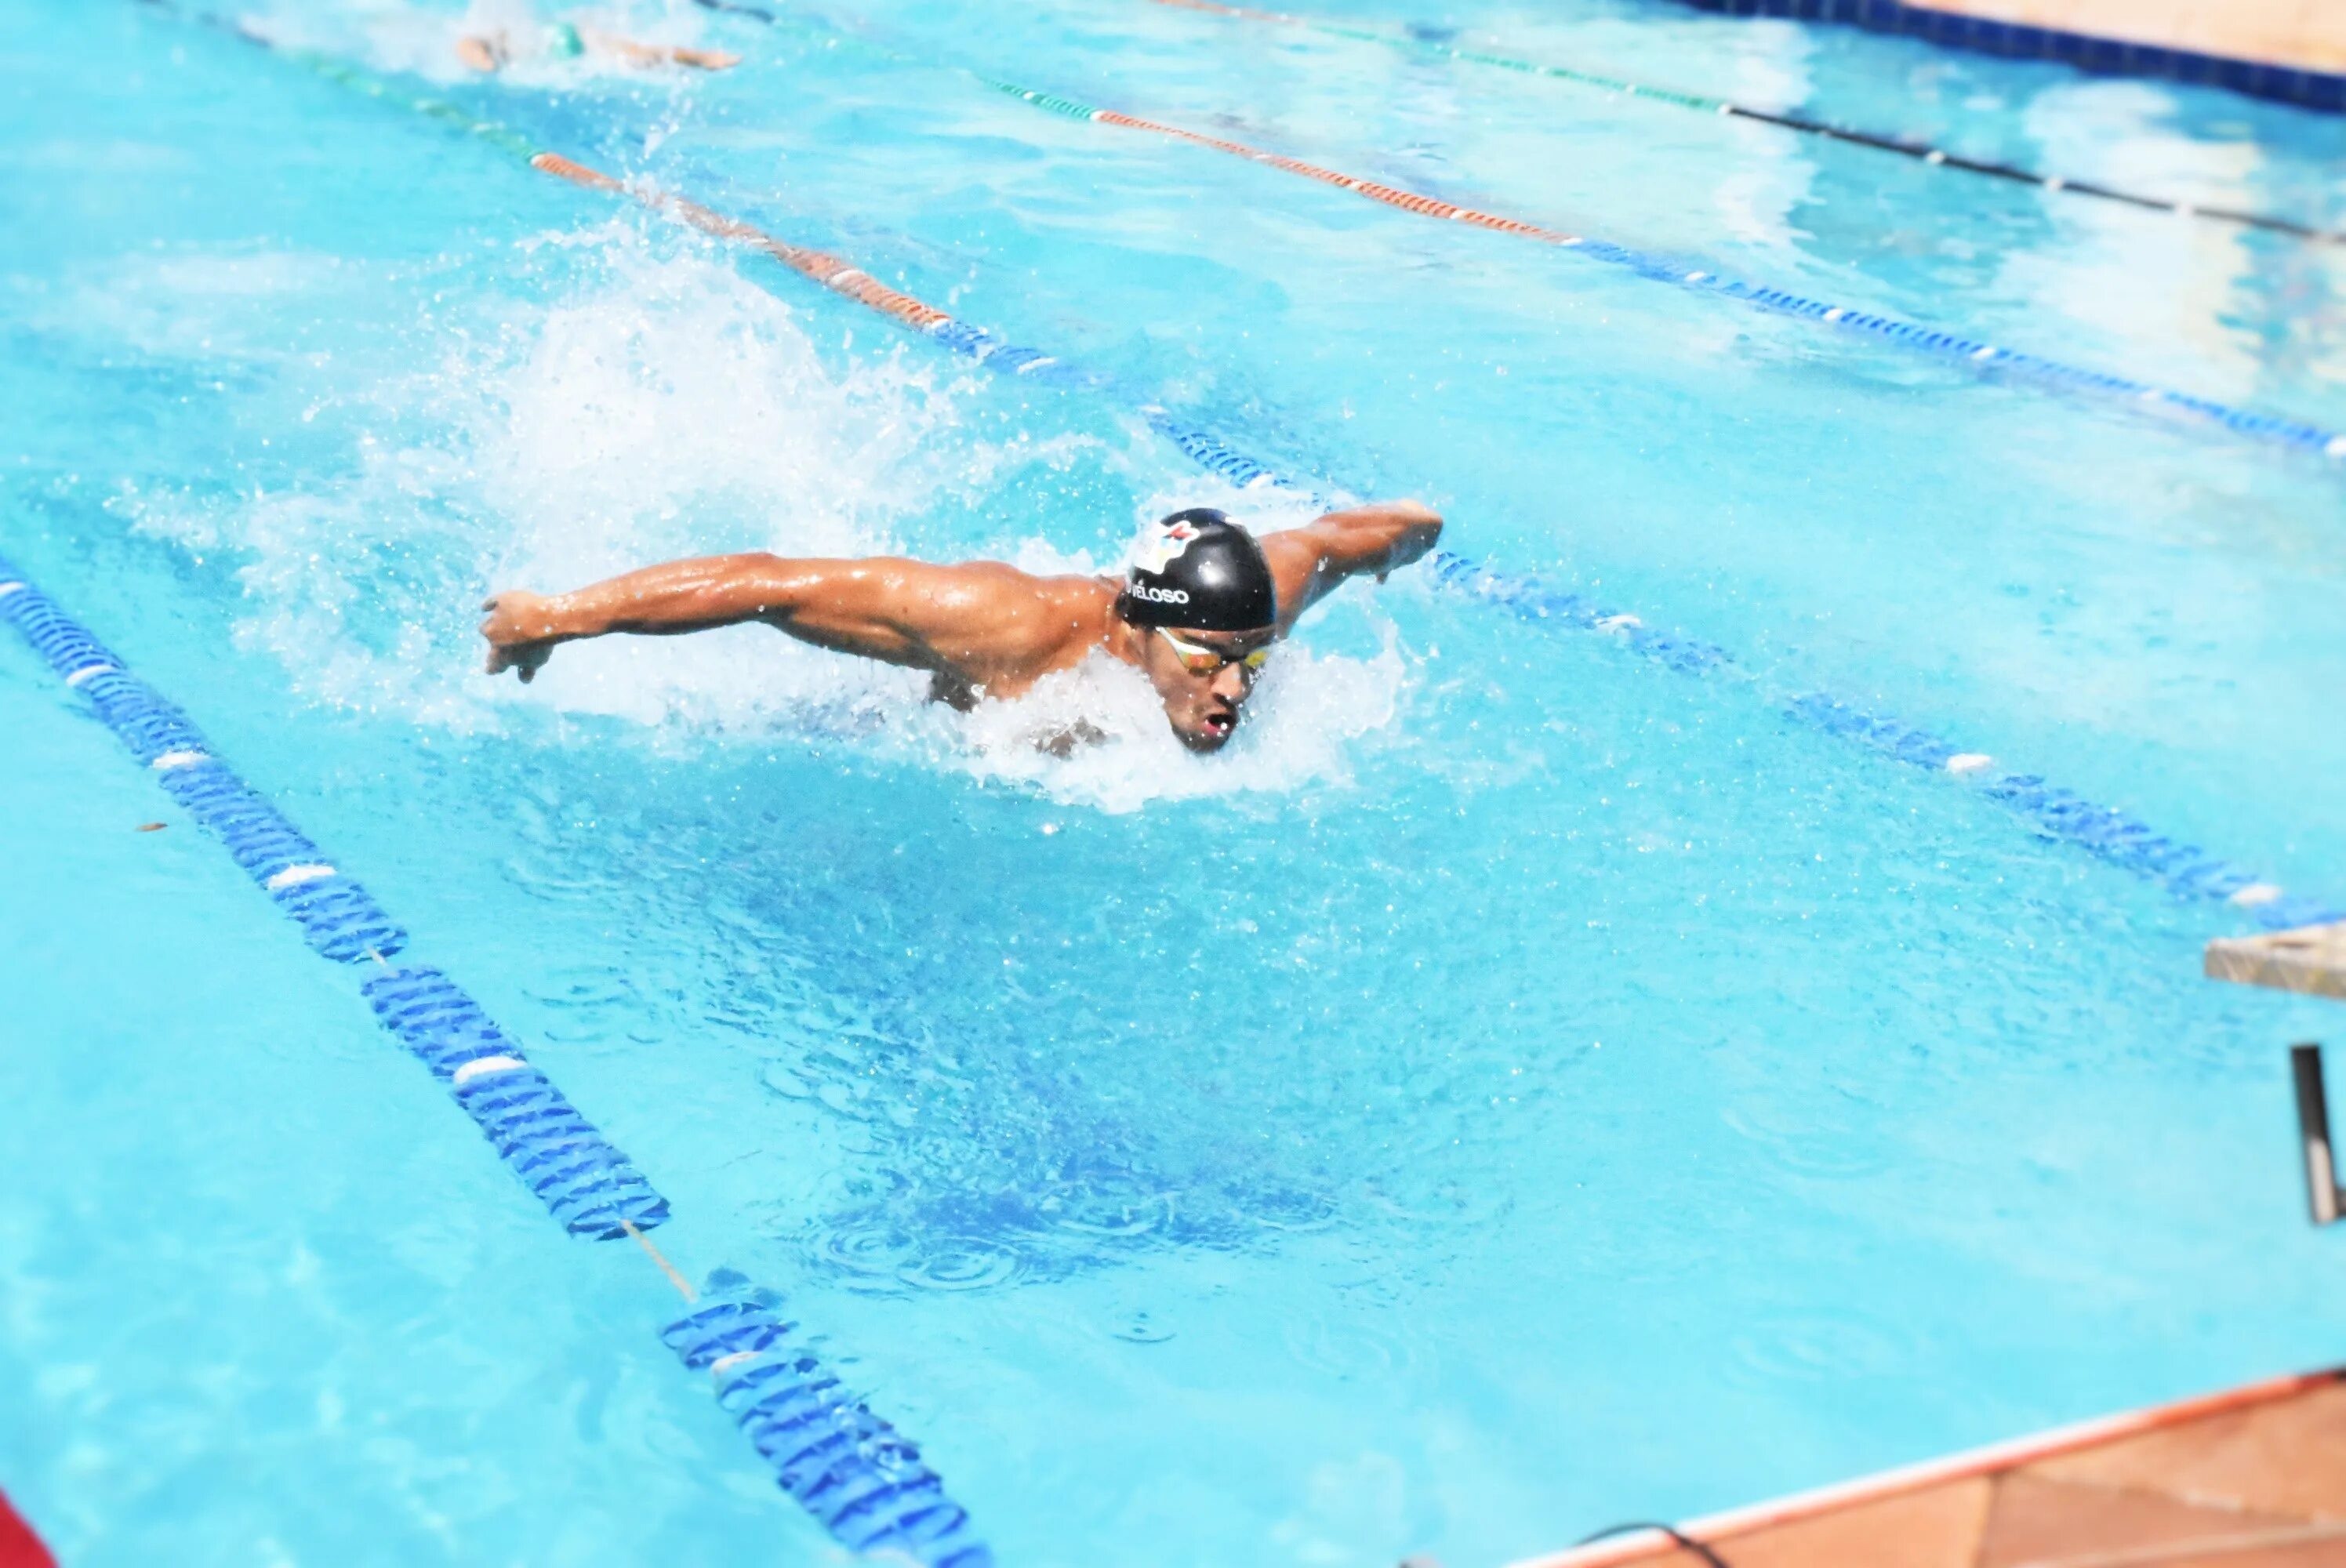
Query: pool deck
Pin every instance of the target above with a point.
(2311, 959)
(2254, 1477)
(2309, 35)
(2292, 51)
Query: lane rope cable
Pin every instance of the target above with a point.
(1914, 148)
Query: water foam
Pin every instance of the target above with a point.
(658, 404)
(1306, 712)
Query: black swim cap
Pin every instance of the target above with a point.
(1199, 571)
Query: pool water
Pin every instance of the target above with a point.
(1520, 1086)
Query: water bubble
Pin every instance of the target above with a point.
(1140, 1328)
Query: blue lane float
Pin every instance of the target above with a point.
(557, 1153)
(848, 1467)
(1530, 599)
(2052, 814)
(860, 1477)
(2065, 817)
(587, 1184)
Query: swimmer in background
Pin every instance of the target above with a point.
(490, 52)
(1196, 613)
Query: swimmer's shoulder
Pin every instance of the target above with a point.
(1015, 590)
(1071, 618)
(1084, 606)
(1005, 628)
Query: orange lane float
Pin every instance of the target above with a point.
(832, 272)
(1919, 150)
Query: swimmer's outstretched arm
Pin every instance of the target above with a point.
(976, 623)
(1310, 562)
(489, 52)
(644, 55)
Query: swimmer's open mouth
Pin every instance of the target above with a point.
(1220, 725)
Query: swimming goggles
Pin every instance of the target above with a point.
(1198, 659)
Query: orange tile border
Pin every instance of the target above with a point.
(1652, 1545)
(2284, 1461)
(2036, 1521)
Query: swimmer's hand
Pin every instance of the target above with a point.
(522, 631)
(1423, 526)
(482, 54)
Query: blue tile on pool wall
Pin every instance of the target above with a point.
(2106, 57)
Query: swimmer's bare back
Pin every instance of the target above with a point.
(981, 629)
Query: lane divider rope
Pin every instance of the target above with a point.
(1971, 352)
(2050, 811)
(583, 1181)
(1914, 148)
(858, 1476)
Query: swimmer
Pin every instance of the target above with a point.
(1196, 613)
(488, 53)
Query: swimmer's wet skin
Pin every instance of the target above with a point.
(491, 52)
(1196, 613)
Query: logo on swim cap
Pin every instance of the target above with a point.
(1199, 571)
(1163, 540)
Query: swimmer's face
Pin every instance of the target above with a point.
(1204, 680)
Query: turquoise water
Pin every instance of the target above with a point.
(1519, 1087)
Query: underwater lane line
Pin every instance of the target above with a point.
(2050, 811)
(847, 1466)
(1914, 148)
(1974, 353)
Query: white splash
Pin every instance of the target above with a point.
(663, 407)
(1299, 727)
